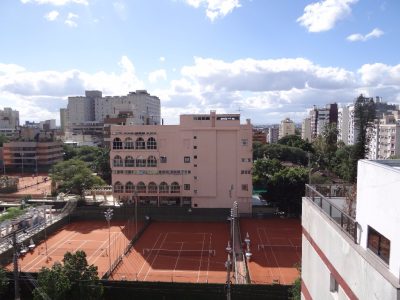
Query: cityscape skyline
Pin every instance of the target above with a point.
(261, 59)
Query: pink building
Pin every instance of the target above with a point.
(204, 162)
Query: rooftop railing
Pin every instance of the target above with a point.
(320, 199)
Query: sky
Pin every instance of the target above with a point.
(264, 59)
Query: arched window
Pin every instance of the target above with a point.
(151, 161)
(129, 144)
(141, 187)
(118, 162)
(129, 161)
(118, 187)
(151, 143)
(164, 188)
(152, 187)
(129, 187)
(117, 143)
(140, 162)
(140, 144)
(175, 188)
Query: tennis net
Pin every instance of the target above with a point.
(177, 252)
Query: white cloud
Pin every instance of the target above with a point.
(162, 58)
(215, 8)
(358, 37)
(323, 15)
(40, 95)
(52, 16)
(70, 21)
(120, 10)
(266, 90)
(57, 2)
(157, 75)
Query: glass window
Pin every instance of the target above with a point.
(378, 244)
(163, 159)
(245, 187)
(186, 187)
(186, 159)
(117, 143)
(175, 188)
(151, 143)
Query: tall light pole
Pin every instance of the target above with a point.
(108, 214)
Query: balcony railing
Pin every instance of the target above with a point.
(346, 223)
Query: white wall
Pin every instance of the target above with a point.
(355, 265)
(378, 205)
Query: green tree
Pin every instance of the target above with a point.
(287, 187)
(83, 277)
(286, 153)
(74, 176)
(263, 170)
(3, 280)
(74, 279)
(325, 147)
(344, 163)
(296, 141)
(364, 116)
(295, 290)
(52, 283)
(3, 139)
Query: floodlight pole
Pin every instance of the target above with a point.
(108, 214)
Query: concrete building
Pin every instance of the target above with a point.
(9, 121)
(273, 134)
(286, 128)
(320, 117)
(203, 162)
(384, 138)
(63, 119)
(259, 135)
(352, 251)
(34, 151)
(306, 129)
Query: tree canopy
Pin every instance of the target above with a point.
(3, 280)
(296, 141)
(74, 279)
(74, 176)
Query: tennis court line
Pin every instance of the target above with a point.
(201, 258)
(156, 256)
(53, 247)
(145, 259)
(177, 259)
(34, 266)
(273, 254)
(113, 238)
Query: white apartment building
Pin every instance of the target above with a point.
(353, 255)
(204, 162)
(384, 138)
(9, 121)
(93, 107)
(286, 127)
(320, 117)
(306, 129)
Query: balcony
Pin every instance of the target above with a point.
(331, 200)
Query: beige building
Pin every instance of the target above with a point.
(306, 129)
(203, 162)
(286, 128)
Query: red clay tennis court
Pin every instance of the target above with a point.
(177, 252)
(276, 249)
(89, 236)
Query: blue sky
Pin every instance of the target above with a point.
(268, 59)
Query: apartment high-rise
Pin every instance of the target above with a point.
(9, 121)
(273, 134)
(306, 129)
(286, 128)
(203, 162)
(320, 117)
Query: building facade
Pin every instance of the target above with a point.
(306, 129)
(286, 128)
(9, 121)
(273, 134)
(352, 250)
(384, 138)
(203, 162)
